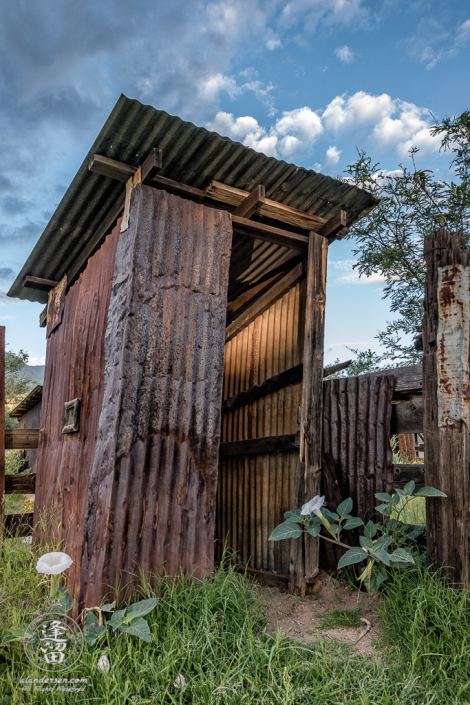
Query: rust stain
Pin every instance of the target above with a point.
(453, 345)
(55, 305)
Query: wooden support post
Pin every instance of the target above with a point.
(446, 396)
(2, 429)
(305, 551)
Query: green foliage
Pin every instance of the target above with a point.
(390, 543)
(340, 618)
(212, 632)
(389, 240)
(17, 383)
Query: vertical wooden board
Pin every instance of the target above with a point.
(163, 386)
(361, 460)
(74, 368)
(447, 446)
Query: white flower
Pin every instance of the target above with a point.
(53, 563)
(314, 506)
(103, 663)
(180, 681)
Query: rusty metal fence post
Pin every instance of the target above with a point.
(446, 394)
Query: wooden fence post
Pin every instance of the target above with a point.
(446, 396)
(305, 551)
(2, 429)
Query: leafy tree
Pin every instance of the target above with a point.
(389, 240)
(17, 383)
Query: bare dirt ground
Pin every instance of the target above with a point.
(300, 618)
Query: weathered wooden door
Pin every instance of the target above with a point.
(152, 492)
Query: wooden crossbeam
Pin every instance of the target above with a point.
(270, 233)
(111, 168)
(22, 483)
(254, 446)
(242, 301)
(38, 283)
(151, 166)
(251, 203)
(274, 384)
(270, 209)
(21, 438)
(404, 472)
(333, 226)
(266, 300)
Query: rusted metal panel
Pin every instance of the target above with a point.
(55, 306)
(151, 503)
(356, 438)
(74, 368)
(453, 336)
(254, 492)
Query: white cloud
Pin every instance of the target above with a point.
(359, 109)
(354, 278)
(296, 129)
(274, 43)
(310, 13)
(345, 54)
(463, 33)
(34, 361)
(332, 155)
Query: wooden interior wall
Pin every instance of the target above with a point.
(74, 368)
(31, 420)
(255, 491)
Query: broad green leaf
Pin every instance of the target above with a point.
(353, 523)
(354, 555)
(345, 507)
(365, 542)
(429, 492)
(11, 635)
(140, 608)
(314, 530)
(370, 529)
(385, 509)
(400, 493)
(416, 532)
(383, 496)
(116, 619)
(379, 575)
(383, 542)
(409, 487)
(331, 516)
(108, 608)
(92, 634)
(65, 602)
(335, 528)
(382, 555)
(138, 627)
(399, 555)
(91, 619)
(396, 499)
(287, 530)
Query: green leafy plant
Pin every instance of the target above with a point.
(382, 545)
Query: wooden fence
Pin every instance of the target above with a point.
(19, 524)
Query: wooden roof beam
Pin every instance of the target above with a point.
(37, 283)
(269, 209)
(252, 203)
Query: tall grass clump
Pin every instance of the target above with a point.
(429, 621)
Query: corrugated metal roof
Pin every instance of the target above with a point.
(33, 398)
(191, 155)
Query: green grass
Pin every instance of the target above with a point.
(414, 512)
(341, 618)
(212, 632)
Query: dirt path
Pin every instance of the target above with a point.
(300, 618)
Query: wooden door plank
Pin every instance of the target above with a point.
(21, 438)
(304, 563)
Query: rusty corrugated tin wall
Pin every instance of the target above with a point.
(255, 491)
(356, 438)
(152, 494)
(74, 368)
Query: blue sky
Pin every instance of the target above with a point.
(306, 80)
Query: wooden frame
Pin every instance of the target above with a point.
(71, 416)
